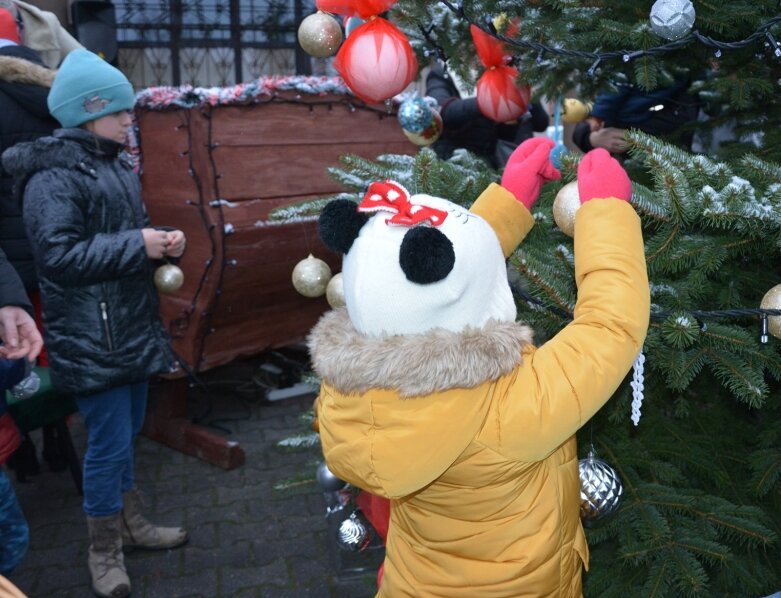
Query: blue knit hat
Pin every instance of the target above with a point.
(86, 88)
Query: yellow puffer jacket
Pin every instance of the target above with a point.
(471, 434)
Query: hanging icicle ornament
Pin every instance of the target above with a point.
(419, 120)
(565, 206)
(311, 276)
(772, 300)
(600, 488)
(169, 278)
(559, 149)
(320, 35)
(638, 385)
(334, 292)
(354, 534)
(672, 19)
(499, 97)
(376, 60)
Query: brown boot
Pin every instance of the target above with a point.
(106, 563)
(137, 532)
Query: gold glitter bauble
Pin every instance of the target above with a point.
(574, 111)
(311, 276)
(334, 292)
(772, 300)
(320, 35)
(169, 278)
(565, 206)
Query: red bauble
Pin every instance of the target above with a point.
(499, 97)
(355, 8)
(376, 61)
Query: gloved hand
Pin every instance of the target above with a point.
(600, 176)
(528, 168)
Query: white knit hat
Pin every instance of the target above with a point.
(382, 300)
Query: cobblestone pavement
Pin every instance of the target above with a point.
(248, 538)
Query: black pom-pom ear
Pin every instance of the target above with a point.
(426, 255)
(339, 224)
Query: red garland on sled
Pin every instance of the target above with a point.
(499, 97)
(376, 61)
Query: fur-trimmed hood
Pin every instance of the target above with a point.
(21, 70)
(414, 365)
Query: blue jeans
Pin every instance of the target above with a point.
(14, 533)
(113, 420)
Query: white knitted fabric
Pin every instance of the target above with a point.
(381, 301)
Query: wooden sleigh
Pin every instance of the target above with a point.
(216, 172)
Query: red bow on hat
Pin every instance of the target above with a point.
(389, 196)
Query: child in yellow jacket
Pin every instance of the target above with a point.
(435, 397)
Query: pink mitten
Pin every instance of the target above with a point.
(528, 168)
(600, 176)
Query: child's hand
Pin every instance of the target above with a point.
(600, 176)
(155, 242)
(528, 168)
(175, 244)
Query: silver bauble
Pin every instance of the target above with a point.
(672, 19)
(27, 387)
(772, 300)
(327, 480)
(334, 292)
(354, 534)
(600, 488)
(311, 276)
(169, 278)
(320, 35)
(565, 206)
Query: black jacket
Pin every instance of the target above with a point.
(24, 116)
(83, 214)
(11, 288)
(464, 126)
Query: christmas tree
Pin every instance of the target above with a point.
(701, 509)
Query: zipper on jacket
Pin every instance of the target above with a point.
(104, 317)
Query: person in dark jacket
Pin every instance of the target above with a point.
(24, 116)
(20, 339)
(95, 253)
(661, 112)
(464, 126)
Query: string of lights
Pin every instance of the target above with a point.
(763, 32)
(738, 313)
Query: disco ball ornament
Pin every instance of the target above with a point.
(772, 300)
(565, 206)
(320, 35)
(311, 276)
(327, 480)
(354, 534)
(600, 488)
(415, 115)
(672, 19)
(430, 134)
(27, 387)
(334, 292)
(169, 278)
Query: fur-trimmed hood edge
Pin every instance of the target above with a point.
(415, 365)
(18, 70)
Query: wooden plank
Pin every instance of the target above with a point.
(272, 171)
(301, 124)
